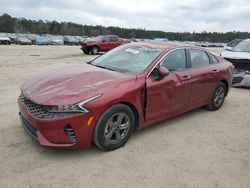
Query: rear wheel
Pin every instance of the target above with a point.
(218, 97)
(114, 127)
(94, 50)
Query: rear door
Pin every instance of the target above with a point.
(105, 44)
(203, 76)
(114, 42)
(169, 95)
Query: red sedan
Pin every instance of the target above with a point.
(128, 88)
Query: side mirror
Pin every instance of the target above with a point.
(163, 71)
(103, 40)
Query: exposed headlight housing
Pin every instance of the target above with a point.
(73, 108)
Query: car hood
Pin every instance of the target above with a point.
(71, 85)
(4, 38)
(89, 40)
(235, 55)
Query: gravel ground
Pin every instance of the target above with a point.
(197, 149)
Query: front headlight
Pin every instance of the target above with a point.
(73, 108)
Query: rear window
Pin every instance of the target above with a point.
(114, 39)
(198, 58)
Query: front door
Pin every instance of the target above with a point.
(171, 94)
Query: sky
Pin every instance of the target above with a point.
(164, 15)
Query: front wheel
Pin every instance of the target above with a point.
(94, 50)
(114, 127)
(218, 97)
(86, 51)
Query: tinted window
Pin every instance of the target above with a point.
(107, 39)
(175, 60)
(114, 39)
(198, 58)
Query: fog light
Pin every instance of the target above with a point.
(70, 133)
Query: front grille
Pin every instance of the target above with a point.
(241, 64)
(41, 111)
(237, 80)
(29, 128)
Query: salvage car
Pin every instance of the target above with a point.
(32, 37)
(239, 56)
(42, 41)
(70, 40)
(23, 41)
(130, 87)
(232, 44)
(100, 43)
(5, 40)
(56, 40)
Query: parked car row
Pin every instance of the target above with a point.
(44, 39)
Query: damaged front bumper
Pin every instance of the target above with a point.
(241, 78)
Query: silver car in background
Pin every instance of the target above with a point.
(239, 56)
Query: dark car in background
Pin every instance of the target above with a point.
(70, 40)
(101, 43)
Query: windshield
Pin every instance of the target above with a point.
(127, 59)
(243, 46)
(99, 38)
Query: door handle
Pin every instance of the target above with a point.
(186, 77)
(215, 71)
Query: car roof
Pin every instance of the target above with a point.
(165, 46)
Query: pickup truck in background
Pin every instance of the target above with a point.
(101, 43)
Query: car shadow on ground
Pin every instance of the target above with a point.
(93, 151)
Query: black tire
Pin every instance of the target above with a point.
(108, 125)
(218, 97)
(95, 50)
(87, 51)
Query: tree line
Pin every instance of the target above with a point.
(10, 24)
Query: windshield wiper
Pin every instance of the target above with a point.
(103, 67)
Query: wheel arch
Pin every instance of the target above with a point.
(95, 45)
(135, 111)
(226, 83)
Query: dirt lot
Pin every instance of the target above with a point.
(198, 149)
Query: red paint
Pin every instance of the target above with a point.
(179, 92)
(103, 45)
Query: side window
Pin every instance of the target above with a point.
(114, 39)
(213, 59)
(198, 58)
(175, 60)
(107, 39)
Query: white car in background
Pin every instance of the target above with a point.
(4, 39)
(239, 56)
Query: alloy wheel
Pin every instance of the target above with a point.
(116, 128)
(219, 96)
